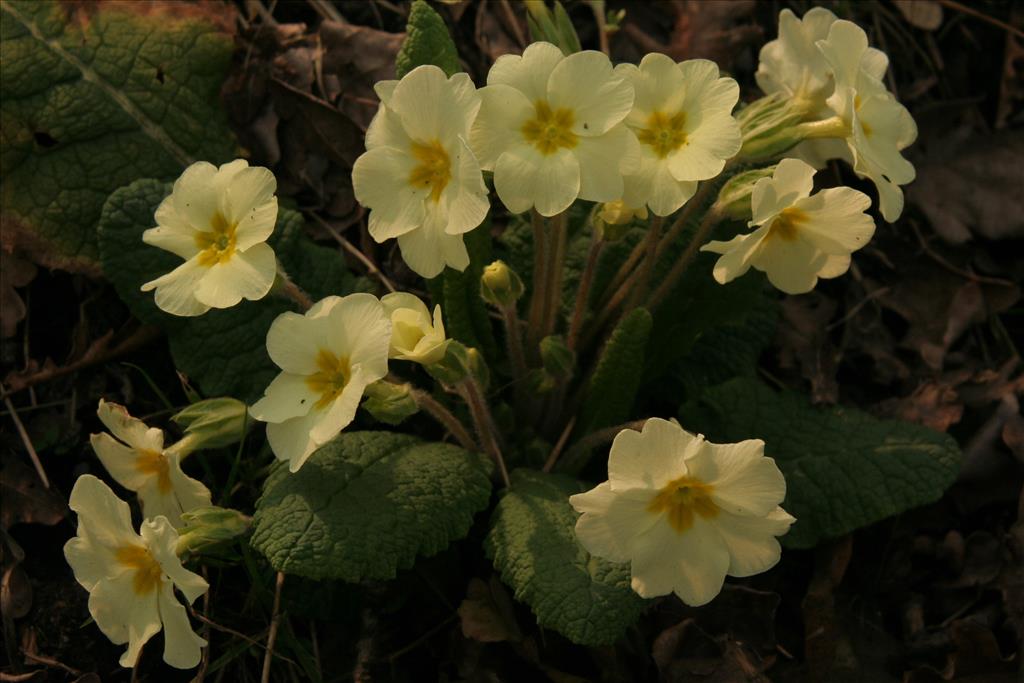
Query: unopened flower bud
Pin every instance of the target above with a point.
(770, 126)
(209, 526)
(734, 197)
(614, 220)
(212, 423)
(558, 359)
(499, 285)
(478, 367)
(453, 367)
(390, 403)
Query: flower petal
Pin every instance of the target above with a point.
(287, 396)
(743, 480)
(119, 460)
(751, 540)
(103, 518)
(586, 83)
(498, 126)
(425, 101)
(246, 274)
(161, 539)
(294, 340)
(183, 648)
(650, 458)
(835, 220)
(599, 159)
(692, 564)
(128, 429)
(249, 189)
(611, 521)
(523, 177)
(123, 615)
(360, 329)
(528, 73)
(380, 180)
(738, 254)
(195, 195)
(290, 440)
(175, 291)
(792, 180)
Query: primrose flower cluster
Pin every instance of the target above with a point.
(642, 142)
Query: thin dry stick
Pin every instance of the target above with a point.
(275, 623)
(538, 285)
(711, 219)
(484, 425)
(980, 15)
(602, 29)
(437, 411)
(556, 266)
(583, 293)
(513, 23)
(27, 442)
(371, 267)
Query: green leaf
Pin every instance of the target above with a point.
(223, 350)
(93, 97)
(726, 351)
(367, 504)
(532, 543)
(426, 42)
(612, 390)
(844, 468)
(465, 314)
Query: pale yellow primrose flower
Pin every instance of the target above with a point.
(135, 457)
(793, 65)
(801, 238)
(684, 512)
(131, 577)
(682, 118)
(877, 126)
(218, 220)
(327, 356)
(414, 335)
(418, 175)
(550, 127)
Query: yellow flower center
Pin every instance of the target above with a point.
(680, 499)
(550, 129)
(330, 380)
(148, 573)
(218, 244)
(664, 134)
(155, 464)
(786, 225)
(434, 169)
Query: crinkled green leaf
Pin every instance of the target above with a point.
(533, 544)
(844, 468)
(465, 314)
(93, 97)
(426, 42)
(367, 504)
(612, 390)
(726, 350)
(224, 351)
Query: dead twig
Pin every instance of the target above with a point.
(27, 442)
(100, 351)
(275, 623)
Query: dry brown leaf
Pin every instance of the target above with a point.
(487, 613)
(14, 272)
(924, 14)
(25, 500)
(971, 186)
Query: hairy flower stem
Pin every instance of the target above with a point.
(535, 316)
(514, 342)
(287, 288)
(484, 423)
(647, 267)
(621, 287)
(432, 407)
(583, 293)
(556, 266)
(710, 220)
